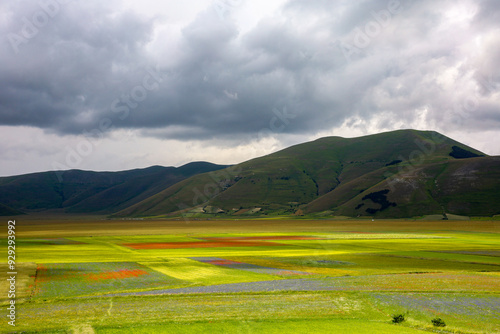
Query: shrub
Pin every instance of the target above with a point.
(460, 153)
(379, 197)
(398, 318)
(394, 162)
(438, 322)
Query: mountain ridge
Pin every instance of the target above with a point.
(78, 191)
(396, 174)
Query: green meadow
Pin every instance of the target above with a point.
(254, 276)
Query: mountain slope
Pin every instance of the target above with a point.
(8, 211)
(335, 174)
(97, 192)
(463, 187)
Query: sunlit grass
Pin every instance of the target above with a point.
(377, 269)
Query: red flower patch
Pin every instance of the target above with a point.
(216, 242)
(120, 274)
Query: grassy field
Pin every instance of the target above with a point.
(254, 276)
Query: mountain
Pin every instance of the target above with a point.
(395, 174)
(79, 191)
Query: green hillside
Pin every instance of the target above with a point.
(463, 187)
(8, 211)
(92, 192)
(345, 176)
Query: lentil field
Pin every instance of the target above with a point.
(254, 276)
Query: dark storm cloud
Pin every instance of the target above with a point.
(310, 68)
(62, 73)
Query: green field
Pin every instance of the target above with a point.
(254, 276)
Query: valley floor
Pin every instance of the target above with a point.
(253, 276)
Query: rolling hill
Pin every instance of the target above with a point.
(77, 191)
(395, 174)
(8, 211)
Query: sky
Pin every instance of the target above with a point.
(122, 84)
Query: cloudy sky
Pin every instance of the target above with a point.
(122, 84)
